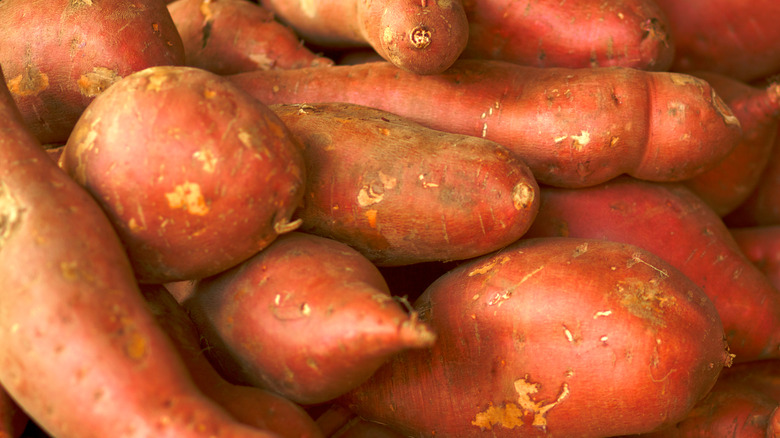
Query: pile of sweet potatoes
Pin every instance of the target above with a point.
(422, 218)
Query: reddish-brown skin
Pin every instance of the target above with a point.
(339, 422)
(195, 175)
(730, 183)
(82, 355)
(58, 55)
(233, 36)
(731, 37)
(557, 337)
(573, 127)
(252, 406)
(307, 317)
(418, 36)
(761, 245)
(401, 193)
(12, 419)
(585, 33)
(671, 221)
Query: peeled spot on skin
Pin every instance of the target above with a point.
(95, 82)
(187, 196)
(522, 195)
(11, 213)
(30, 83)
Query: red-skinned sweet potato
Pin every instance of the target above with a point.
(401, 193)
(233, 36)
(421, 37)
(573, 127)
(58, 55)
(182, 162)
(307, 317)
(556, 337)
(671, 221)
(82, 355)
(586, 33)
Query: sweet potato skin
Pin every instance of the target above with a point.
(552, 337)
(761, 245)
(177, 184)
(401, 193)
(573, 127)
(58, 55)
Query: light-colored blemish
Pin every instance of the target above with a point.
(581, 140)
(208, 158)
(568, 334)
(98, 80)
(374, 192)
(603, 313)
(489, 266)
(187, 196)
(511, 415)
(523, 195)
(10, 214)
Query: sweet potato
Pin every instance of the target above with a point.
(255, 407)
(82, 355)
(307, 317)
(585, 33)
(558, 337)
(733, 180)
(58, 55)
(671, 221)
(195, 175)
(731, 37)
(233, 36)
(573, 127)
(418, 36)
(401, 193)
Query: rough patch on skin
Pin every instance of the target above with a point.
(30, 83)
(86, 137)
(644, 299)
(11, 213)
(95, 82)
(487, 267)
(187, 196)
(309, 8)
(512, 415)
(374, 192)
(207, 157)
(76, 3)
(523, 195)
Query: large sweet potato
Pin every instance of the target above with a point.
(58, 55)
(557, 337)
(81, 353)
(401, 193)
(573, 127)
(195, 175)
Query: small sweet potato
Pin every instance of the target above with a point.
(573, 127)
(232, 36)
(401, 193)
(307, 317)
(195, 174)
(557, 337)
(58, 55)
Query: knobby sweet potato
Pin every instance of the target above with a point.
(585, 33)
(557, 337)
(195, 174)
(573, 127)
(671, 221)
(418, 36)
(58, 55)
(233, 36)
(401, 193)
(307, 317)
(82, 355)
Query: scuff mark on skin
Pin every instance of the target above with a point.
(208, 159)
(489, 266)
(98, 80)
(522, 196)
(30, 83)
(499, 298)
(187, 196)
(374, 192)
(511, 415)
(11, 213)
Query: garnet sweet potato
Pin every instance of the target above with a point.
(558, 337)
(418, 36)
(195, 175)
(573, 127)
(671, 221)
(401, 193)
(307, 317)
(82, 355)
(233, 36)
(585, 33)
(58, 55)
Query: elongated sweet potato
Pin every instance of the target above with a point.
(557, 337)
(307, 317)
(573, 127)
(233, 36)
(585, 33)
(671, 221)
(419, 36)
(195, 175)
(82, 355)
(58, 55)
(401, 193)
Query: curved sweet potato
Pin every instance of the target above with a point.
(585, 33)
(572, 127)
(58, 55)
(233, 36)
(307, 317)
(179, 184)
(558, 337)
(401, 193)
(671, 221)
